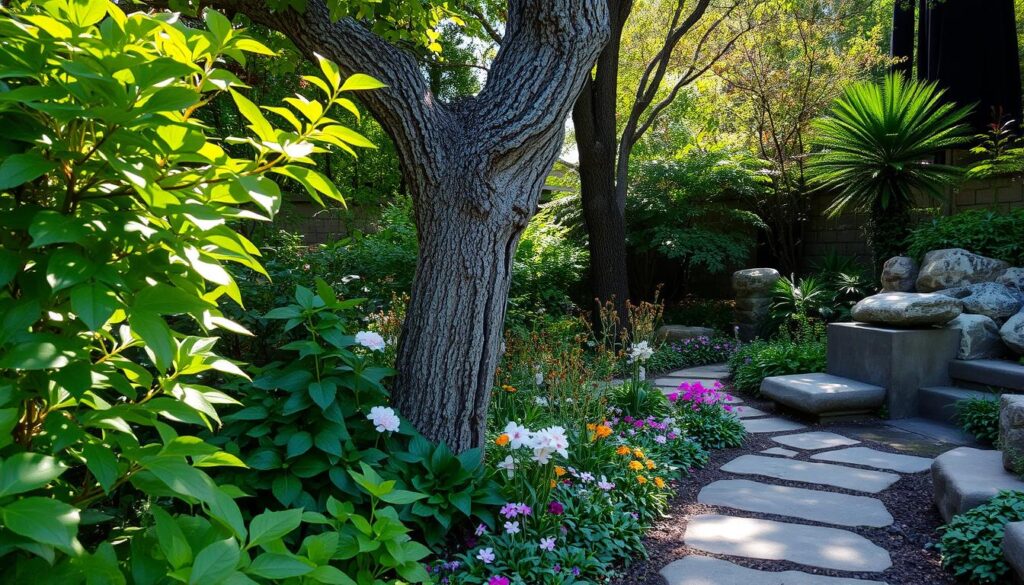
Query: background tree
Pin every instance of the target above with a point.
(677, 42)
(474, 168)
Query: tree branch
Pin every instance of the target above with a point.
(484, 23)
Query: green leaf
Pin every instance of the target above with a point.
(270, 526)
(360, 82)
(34, 355)
(331, 576)
(161, 299)
(19, 169)
(86, 12)
(102, 462)
(49, 227)
(8, 419)
(299, 443)
(215, 562)
(10, 264)
(24, 472)
(258, 123)
(172, 539)
(278, 566)
(66, 268)
(43, 520)
(313, 181)
(94, 304)
(401, 497)
(323, 393)
(159, 340)
(286, 487)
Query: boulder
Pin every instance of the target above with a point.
(1012, 333)
(907, 309)
(955, 267)
(996, 301)
(966, 478)
(754, 281)
(681, 332)
(979, 337)
(1013, 547)
(899, 274)
(1013, 278)
(1011, 431)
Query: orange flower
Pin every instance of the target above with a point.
(659, 482)
(635, 466)
(641, 479)
(502, 440)
(559, 471)
(622, 450)
(638, 453)
(603, 431)
(591, 427)
(553, 484)
(649, 464)
(508, 388)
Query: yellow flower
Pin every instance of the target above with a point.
(638, 453)
(635, 466)
(641, 479)
(591, 427)
(553, 484)
(559, 471)
(649, 464)
(622, 450)
(659, 482)
(508, 388)
(502, 440)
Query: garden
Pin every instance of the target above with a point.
(479, 292)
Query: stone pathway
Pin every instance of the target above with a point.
(812, 524)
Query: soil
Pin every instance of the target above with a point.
(909, 539)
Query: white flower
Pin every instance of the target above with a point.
(547, 544)
(605, 485)
(660, 439)
(541, 401)
(512, 527)
(486, 555)
(538, 378)
(551, 439)
(542, 455)
(371, 340)
(640, 352)
(518, 436)
(509, 465)
(586, 477)
(384, 419)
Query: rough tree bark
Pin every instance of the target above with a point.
(475, 170)
(604, 151)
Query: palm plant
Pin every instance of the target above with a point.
(875, 150)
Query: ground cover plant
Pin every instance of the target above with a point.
(980, 418)
(972, 542)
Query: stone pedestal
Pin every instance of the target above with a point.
(753, 288)
(900, 360)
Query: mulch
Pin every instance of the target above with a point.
(908, 540)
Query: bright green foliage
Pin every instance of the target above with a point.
(980, 418)
(989, 233)
(117, 209)
(791, 353)
(877, 142)
(972, 542)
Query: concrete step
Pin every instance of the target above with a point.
(939, 402)
(981, 374)
(823, 394)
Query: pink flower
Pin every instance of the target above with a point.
(556, 508)
(673, 397)
(498, 580)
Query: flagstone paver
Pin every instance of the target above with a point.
(749, 412)
(696, 570)
(780, 452)
(814, 546)
(814, 505)
(861, 480)
(712, 372)
(877, 459)
(815, 440)
(770, 425)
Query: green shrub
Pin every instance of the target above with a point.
(689, 353)
(717, 314)
(705, 416)
(980, 418)
(117, 218)
(804, 352)
(989, 233)
(972, 542)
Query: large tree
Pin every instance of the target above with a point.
(688, 36)
(475, 168)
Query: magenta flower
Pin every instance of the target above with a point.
(498, 580)
(556, 508)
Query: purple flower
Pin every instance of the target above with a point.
(480, 530)
(498, 580)
(486, 555)
(547, 544)
(512, 527)
(575, 571)
(556, 508)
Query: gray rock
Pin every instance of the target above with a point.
(814, 505)
(681, 332)
(695, 570)
(815, 440)
(1013, 278)
(823, 393)
(1011, 431)
(899, 274)
(769, 425)
(907, 309)
(979, 337)
(955, 267)
(748, 412)
(1013, 546)
(995, 301)
(754, 281)
(780, 452)
(877, 459)
(966, 478)
(1012, 332)
(815, 546)
(848, 478)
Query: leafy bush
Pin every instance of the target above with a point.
(829, 294)
(547, 272)
(989, 233)
(798, 353)
(717, 314)
(706, 417)
(980, 418)
(972, 542)
(117, 215)
(689, 353)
